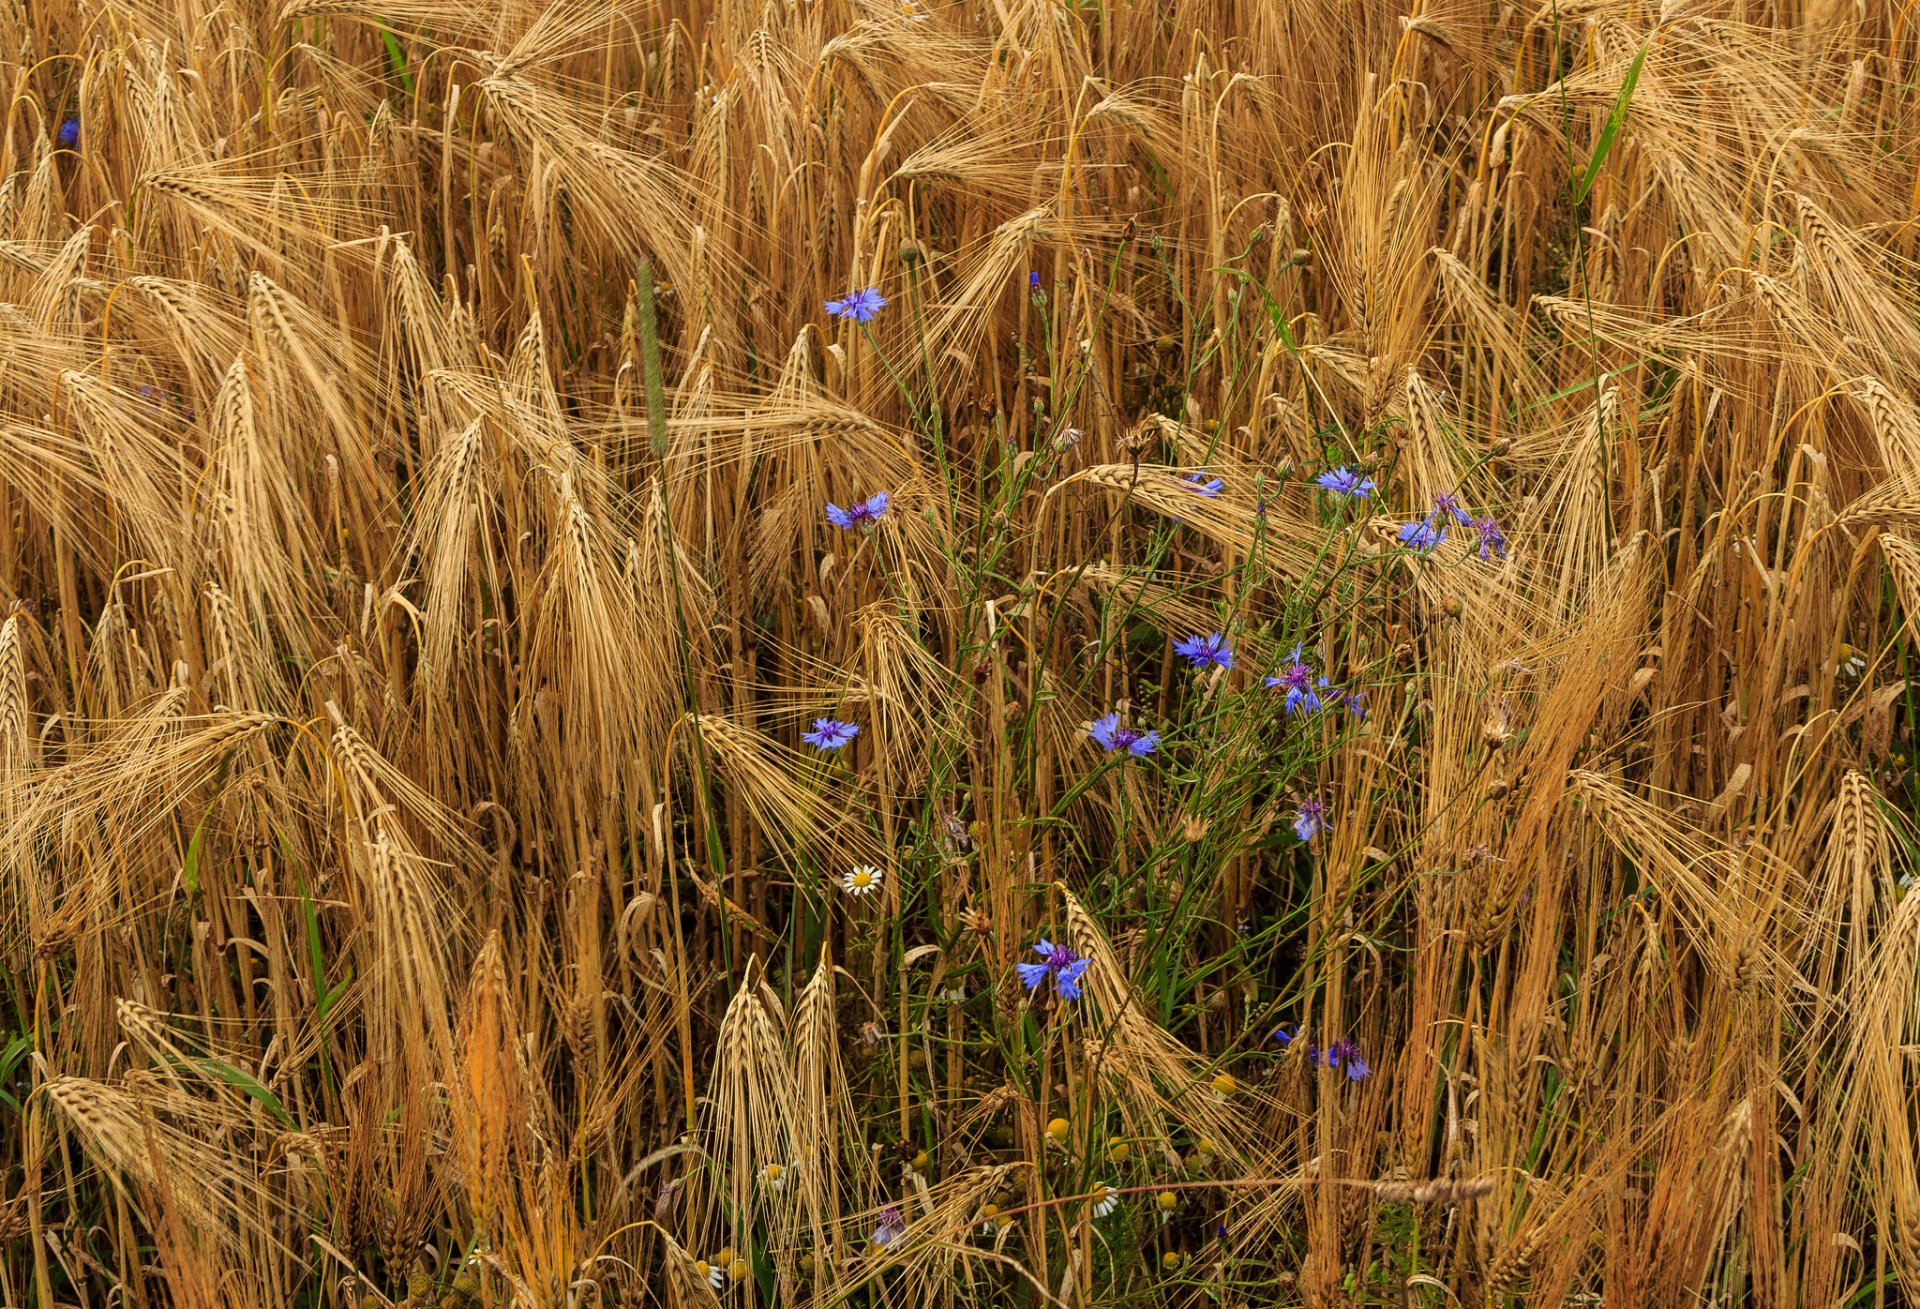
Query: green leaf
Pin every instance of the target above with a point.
(196, 844)
(227, 1073)
(1611, 131)
(398, 58)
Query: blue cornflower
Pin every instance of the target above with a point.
(1355, 701)
(1423, 535)
(1204, 651)
(1112, 736)
(1344, 481)
(1033, 281)
(1060, 962)
(69, 134)
(1284, 1034)
(1492, 539)
(892, 1227)
(1446, 503)
(1311, 820)
(860, 306)
(830, 733)
(869, 510)
(1303, 689)
(1200, 484)
(1344, 1054)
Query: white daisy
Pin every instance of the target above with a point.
(861, 880)
(711, 1272)
(1109, 1201)
(774, 1178)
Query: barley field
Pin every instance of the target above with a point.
(959, 653)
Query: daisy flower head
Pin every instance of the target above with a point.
(861, 513)
(1110, 736)
(1107, 1201)
(860, 306)
(1492, 540)
(1447, 504)
(1060, 962)
(1422, 535)
(711, 1274)
(1344, 481)
(1311, 819)
(774, 1178)
(1209, 651)
(1303, 689)
(989, 1219)
(1200, 484)
(69, 133)
(864, 879)
(892, 1227)
(830, 733)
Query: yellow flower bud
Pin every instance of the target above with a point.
(1118, 1150)
(1057, 1129)
(1167, 1201)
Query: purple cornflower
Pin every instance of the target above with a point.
(1492, 539)
(1423, 535)
(892, 1227)
(1344, 481)
(1355, 701)
(1202, 651)
(1112, 736)
(1311, 820)
(830, 733)
(1447, 503)
(1344, 1054)
(69, 134)
(869, 510)
(1200, 484)
(1303, 689)
(860, 306)
(1060, 962)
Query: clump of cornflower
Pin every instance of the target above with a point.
(1111, 736)
(1423, 534)
(830, 733)
(1448, 505)
(1311, 818)
(1200, 484)
(892, 1227)
(867, 511)
(1344, 481)
(1206, 651)
(1492, 539)
(860, 306)
(69, 134)
(1303, 688)
(1062, 963)
(1343, 1055)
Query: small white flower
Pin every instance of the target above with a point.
(861, 880)
(774, 1178)
(954, 995)
(716, 1277)
(1109, 1201)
